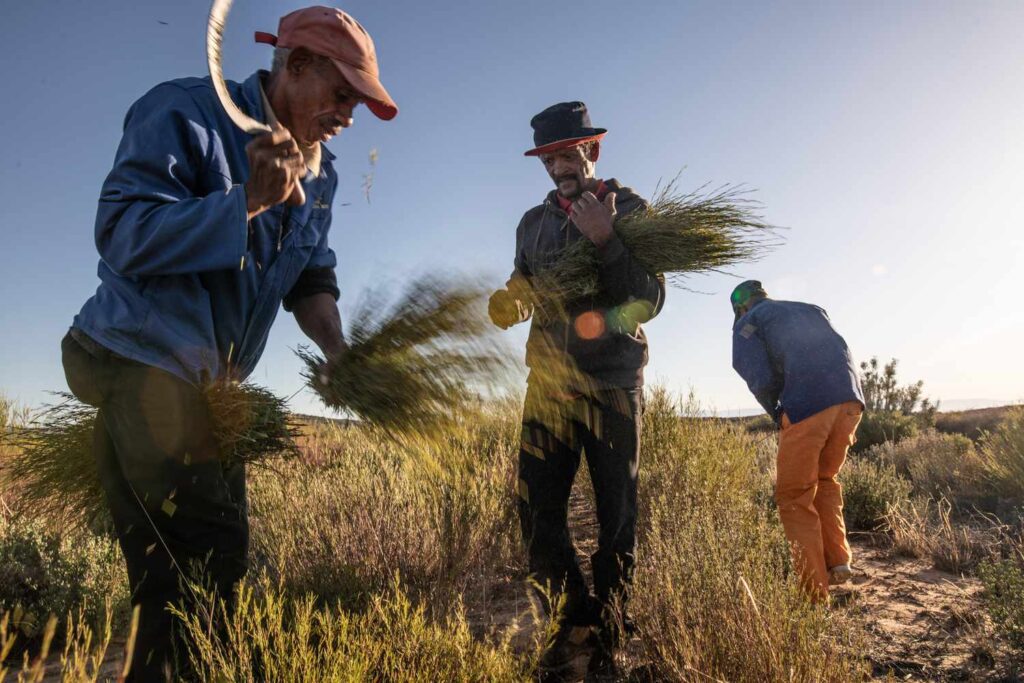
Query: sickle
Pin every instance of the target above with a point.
(214, 39)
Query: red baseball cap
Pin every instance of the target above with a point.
(330, 32)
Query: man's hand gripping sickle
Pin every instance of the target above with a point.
(274, 173)
(276, 169)
(595, 218)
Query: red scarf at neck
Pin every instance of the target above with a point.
(566, 204)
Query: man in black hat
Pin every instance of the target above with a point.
(584, 389)
(801, 372)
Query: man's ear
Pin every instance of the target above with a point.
(299, 59)
(594, 152)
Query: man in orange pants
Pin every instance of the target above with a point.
(800, 370)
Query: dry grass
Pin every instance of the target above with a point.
(715, 597)
(81, 660)
(1002, 452)
(274, 638)
(356, 509)
(928, 529)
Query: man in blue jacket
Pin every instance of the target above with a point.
(801, 372)
(199, 246)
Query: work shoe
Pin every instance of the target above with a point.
(569, 644)
(839, 575)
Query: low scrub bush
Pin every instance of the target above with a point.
(880, 427)
(971, 423)
(870, 488)
(1003, 457)
(44, 572)
(938, 466)
(1004, 593)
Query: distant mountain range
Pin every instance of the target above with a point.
(945, 406)
(955, 404)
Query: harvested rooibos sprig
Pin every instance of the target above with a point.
(52, 464)
(54, 468)
(679, 234)
(250, 423)
(413, 364)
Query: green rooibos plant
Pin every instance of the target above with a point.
(414, 364)
(54, 472)
(679, 234)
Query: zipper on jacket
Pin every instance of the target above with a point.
(280, 228)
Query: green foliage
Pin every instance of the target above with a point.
(45, 572)
(892, 412)
(1004, 594)
(869, 489)
(715, 594)
(1003, 457)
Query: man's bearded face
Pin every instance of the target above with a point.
(571, 169)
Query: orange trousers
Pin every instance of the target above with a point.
(810, 500)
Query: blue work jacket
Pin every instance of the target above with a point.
(187, 283)
(793, 360)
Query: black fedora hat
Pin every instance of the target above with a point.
(562, 125)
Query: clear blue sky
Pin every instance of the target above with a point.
(888, 137)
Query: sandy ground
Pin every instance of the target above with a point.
(924, 624)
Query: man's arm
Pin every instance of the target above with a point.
(319, 319)
(750, 359)
(508, 307)
(314, 296)
(622, 278)
(154, 216)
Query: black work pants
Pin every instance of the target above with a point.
(606, 426)
(179, 515)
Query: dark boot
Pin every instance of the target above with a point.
(568, 644)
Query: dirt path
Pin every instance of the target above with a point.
(924, 624)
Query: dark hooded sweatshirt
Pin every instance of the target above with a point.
(602, 336)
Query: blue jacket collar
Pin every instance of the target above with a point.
(252, 101)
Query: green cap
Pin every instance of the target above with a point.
(744, 292)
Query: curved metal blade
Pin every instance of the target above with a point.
(214, 37)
